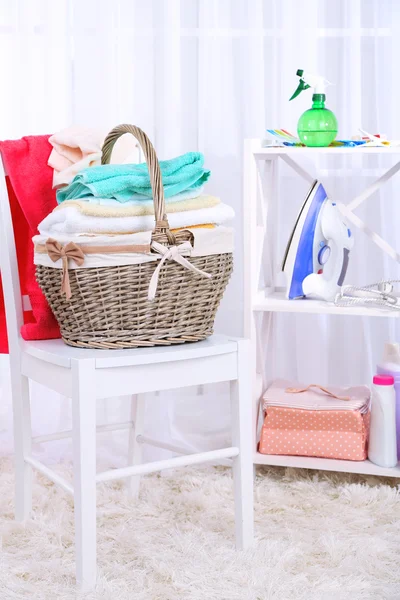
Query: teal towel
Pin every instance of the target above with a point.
(123, 182)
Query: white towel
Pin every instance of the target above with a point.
(72, 221)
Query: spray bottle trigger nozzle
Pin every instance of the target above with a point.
(302, 86)
(307, 80)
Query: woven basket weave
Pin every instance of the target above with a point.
(109, 307)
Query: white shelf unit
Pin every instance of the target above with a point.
(259, 194)
(275, 301)
(364, 467)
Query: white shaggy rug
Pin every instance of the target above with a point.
(319, 537)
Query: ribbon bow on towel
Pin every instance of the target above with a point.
(173, 253)
(69, 251)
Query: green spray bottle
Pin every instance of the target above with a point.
(317, 126)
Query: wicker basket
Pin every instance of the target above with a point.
(109, 306)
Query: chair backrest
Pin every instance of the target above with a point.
(9, 270)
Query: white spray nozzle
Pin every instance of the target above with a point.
(307, 80)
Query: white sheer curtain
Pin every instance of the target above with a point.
(205, 74)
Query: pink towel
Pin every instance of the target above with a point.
(278, 394)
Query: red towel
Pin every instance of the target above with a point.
(29, 184)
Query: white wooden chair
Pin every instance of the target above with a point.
(88, 375)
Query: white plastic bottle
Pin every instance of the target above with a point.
(390, 365)
(382, 447)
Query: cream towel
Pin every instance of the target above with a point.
(146, 208)
(70, 220)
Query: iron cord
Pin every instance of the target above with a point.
(375, 294)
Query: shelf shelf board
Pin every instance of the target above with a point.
(276, 302)
(364, 467)
(359, 150)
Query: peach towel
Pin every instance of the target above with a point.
(74, 149)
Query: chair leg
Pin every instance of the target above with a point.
(242, 437)
(23, 446)
(84, 455)
(135, 451)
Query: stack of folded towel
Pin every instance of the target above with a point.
(313, 420)
(117, 200)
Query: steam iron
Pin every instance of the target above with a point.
(317, 254)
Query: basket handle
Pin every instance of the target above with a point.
(161, 232)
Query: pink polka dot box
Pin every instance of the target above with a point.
(325, 422)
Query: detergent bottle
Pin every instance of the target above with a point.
(390, 365)
(318, 125)
(382, 449)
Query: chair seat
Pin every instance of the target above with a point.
(58, 353)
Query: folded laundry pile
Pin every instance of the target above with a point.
(315, 421)
(70, 219)
(103, 207)
(117, 199)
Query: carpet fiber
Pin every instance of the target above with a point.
(319, 537)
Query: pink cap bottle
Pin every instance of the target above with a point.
(383, 380)
(382, 446)
(390, 365)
